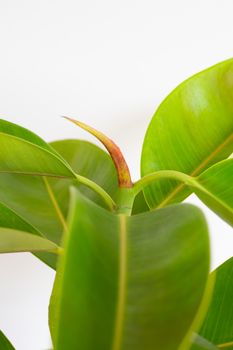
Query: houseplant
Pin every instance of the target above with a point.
(132, 260)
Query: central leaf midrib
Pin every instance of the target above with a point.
(55, 204)
(197, 170)
(122, 275)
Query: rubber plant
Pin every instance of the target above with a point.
(132, 261)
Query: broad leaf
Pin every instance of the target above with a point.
(200, 343)
(124, 282)
(140, 205)
(5, 343)
(12, 241)
(216, 189)
(218, 326)
(43, 202)
(24, 152)
(89, 161)
(28, 196)
(214, 186)
(191, 130)
(10, 219)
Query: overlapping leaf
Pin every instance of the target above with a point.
(124, 282)
(13, 241)
(218, 325)
(41, 201)
(89, 161)
(216, 189)
(214, 186)
(9, 219)
(5, 343)
(24, 152)
(191, 130)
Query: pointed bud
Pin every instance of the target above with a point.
(124, 178)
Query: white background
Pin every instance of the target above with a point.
(108, 63)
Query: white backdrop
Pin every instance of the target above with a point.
(108, 63)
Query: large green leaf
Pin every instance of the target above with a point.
(13, 241)
(10, 219)
(139, 205)
(43, 202)
(200, 343)
(89, 161)
(124, 282)
(191, 130)
(216, 189)
(29, 197)
(24, 152)
(218, 325)
(214, 186)
(5, 343)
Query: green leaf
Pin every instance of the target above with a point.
(200, 343)
(191, 130)
(217, 326)
(24, 152)
(140, 205)
(124, 282)
(216, 189)
(214, 186)
(43, 202)
(89, 161)
(5, 343)
(10, 219)
(12, 241)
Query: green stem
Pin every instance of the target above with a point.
(125, 201)
(163, 174)
(99, 190)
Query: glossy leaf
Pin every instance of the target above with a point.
(28, 197)
(89, 161)
(200, 343)
(5, 343)
(191, 130)
(12, 241)
(124, 282)
(43, 202)
(214, 186)
(10, 219)
(217, 183)
(24, 152)
(140, 205)
(218, 326)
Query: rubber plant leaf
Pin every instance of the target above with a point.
(5, 343)
(14, 241)
(216, 189)
(43, 201)
(214, 186)
(217, 326)
(25, 153)
(191, 130)
(11, 220)
(124, 282)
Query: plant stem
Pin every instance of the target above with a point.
(125, 201)
(162, 174)
(99, 190)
